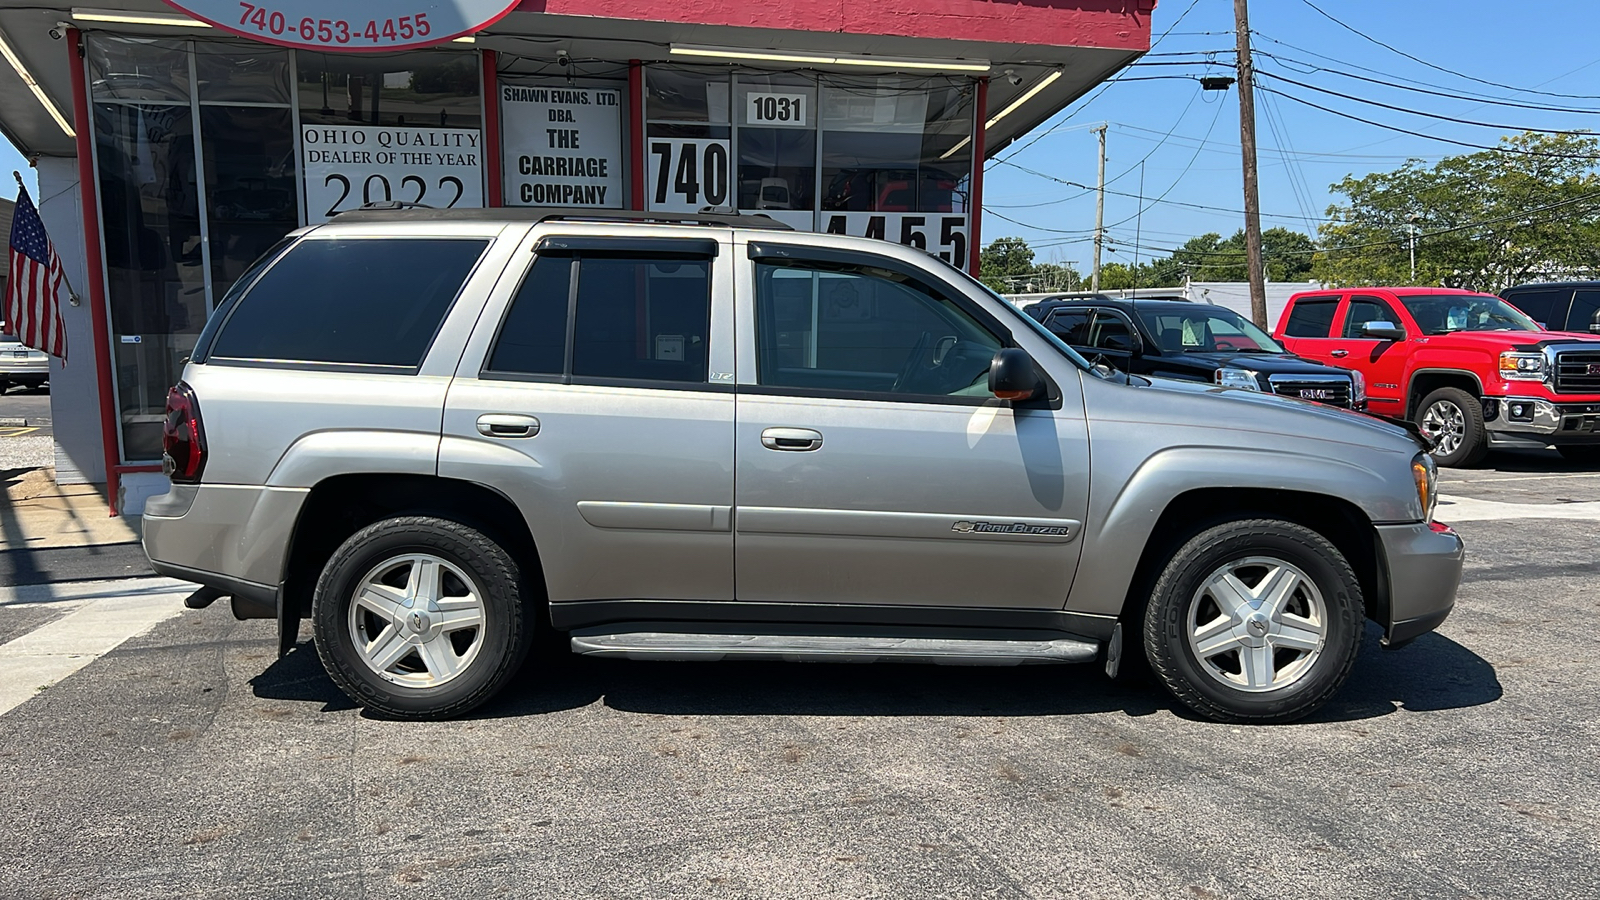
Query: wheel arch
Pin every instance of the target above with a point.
(1425, 381)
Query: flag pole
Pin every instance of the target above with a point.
(72, 295)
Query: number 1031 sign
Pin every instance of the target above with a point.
(349, 25)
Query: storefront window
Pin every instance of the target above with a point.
(777, 142)
(887, 142)
(138, 69)
(252, 196)
(688, 146)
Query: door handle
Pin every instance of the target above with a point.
(502, 425)
(1340, 353)
(791, 439)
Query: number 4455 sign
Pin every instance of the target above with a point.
(349, 25)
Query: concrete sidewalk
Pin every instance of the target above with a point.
(51, 532)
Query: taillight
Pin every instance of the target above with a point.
(183, 440)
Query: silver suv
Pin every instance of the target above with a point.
(437, 433)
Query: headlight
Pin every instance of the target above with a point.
(1239, 378)
(1359, 388)
(1522, 366)
(1426, 476)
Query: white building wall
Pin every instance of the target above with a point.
(74, 386)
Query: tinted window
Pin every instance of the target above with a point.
(1312, 318)
(1207, 329)
(375, 302)
(869, 330)
(1111, 332)
(1072, 325)
(645, 319)
(1444, 313)
(1366, 309)
(1547, 306)
(533, 339)
(1585, 312)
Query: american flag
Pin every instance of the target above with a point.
(33, 311)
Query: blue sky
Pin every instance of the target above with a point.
(1546, 45)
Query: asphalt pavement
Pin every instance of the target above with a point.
(190, 761)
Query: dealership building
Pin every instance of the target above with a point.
(174, 143)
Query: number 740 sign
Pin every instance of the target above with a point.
(349, 25)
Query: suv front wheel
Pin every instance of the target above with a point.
(1254, 621)
(420, 617)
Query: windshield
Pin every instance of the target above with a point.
(1207, 329)
(1037, 328)
(1444, 313)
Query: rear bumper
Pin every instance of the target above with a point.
(1424, 565)
(233, 538)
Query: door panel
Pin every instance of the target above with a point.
(1308, 332)
(1382, 362)
(933, 495)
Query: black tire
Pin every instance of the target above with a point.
(498, 647)
(1474, 444)
(1581, 454)
(1204, 687)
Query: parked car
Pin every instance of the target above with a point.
(1564, 306)
(19, 364)
(1172, 338)
(1469, 369)
(437, 432)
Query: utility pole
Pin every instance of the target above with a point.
(1252, 189)
(1411, 229)
(1099, 213)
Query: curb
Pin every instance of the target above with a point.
(20, 422)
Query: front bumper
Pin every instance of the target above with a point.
(1547, 421)
(1424, 563)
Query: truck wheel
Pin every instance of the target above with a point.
(1453, 418)
(1254, 621)
(420, 617)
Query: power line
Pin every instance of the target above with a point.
(1179, 180)
(1418, 112)
(1469, 98)
(1085, 187)
(1416, 59)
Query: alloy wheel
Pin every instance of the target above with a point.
(1257, 624)
(1446, 425)
(417, 620)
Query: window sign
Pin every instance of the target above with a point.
(944, 236)
(687, 174)
(349, 24)
(347, 166)
(777, 110)
(562, 146)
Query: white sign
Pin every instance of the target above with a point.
(346, 166)
(358, 25)
(562, 146)
(687, 175)
(775, 109)
(939, 234)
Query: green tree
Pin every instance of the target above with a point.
(1484, 221)
(1004, 262)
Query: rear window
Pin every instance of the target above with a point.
(350, 301)
(1312, 317)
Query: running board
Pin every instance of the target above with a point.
(660, 645)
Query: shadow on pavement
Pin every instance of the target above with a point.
(1432, 673)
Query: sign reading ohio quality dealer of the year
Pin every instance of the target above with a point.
(347, 166)
(349, 25)
(563, 146)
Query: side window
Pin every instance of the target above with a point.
(1312, 317)
(350, 301)
(1366, 309)
(1071, 325)
(860, 329)
(1547, 306)
(1585, 316)
(1111, 332)
(638, 319)
(533, 340)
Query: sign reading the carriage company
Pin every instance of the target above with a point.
(349, 25)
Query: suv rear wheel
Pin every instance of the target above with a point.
(420, 617)
(1254, 621)
(1453, 419)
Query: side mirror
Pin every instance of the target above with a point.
(1124, 343)
(1013, 376)
(1594, 324)
(1383, 331)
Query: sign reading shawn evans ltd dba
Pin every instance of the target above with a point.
(562, 146)
(349, 25)
(347, 166)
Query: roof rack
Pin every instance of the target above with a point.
(393, 211)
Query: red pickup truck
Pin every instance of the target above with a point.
(1472, 371)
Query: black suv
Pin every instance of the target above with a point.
(1559, 306)
(1171, 338)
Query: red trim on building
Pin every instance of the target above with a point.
(635, 134)
(94, 262)
(1109, 24)
(491, 131)
(975, 217)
